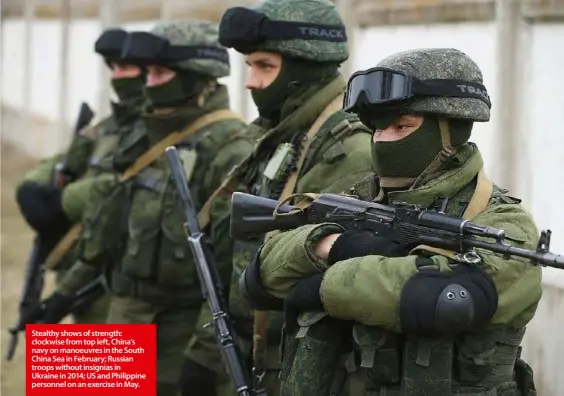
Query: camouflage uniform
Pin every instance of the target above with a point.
(338, 156)
(114, 141)
(154, 279)
(358, 345)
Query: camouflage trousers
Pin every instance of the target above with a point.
(175, 326)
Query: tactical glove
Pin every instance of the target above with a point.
(41, 207)
(303, 297)
(196, 379)
(51, 310)
(358, 243)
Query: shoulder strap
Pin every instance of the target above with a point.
(335, 105)
(230, 183)
(156, 151)
(478, 203)
(67, 242)
(260, 321)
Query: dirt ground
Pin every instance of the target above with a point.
(15, 244)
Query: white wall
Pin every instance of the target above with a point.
(541, 140)
(541, 149)
(542, 112)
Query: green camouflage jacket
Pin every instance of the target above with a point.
(139, 225)
(338, 157)
(365, 352)
(116, 139)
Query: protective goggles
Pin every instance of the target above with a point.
(244, 29)
(110, 43)
(385, 87)
(144, 48)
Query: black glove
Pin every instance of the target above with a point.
(305, 294)
(51, 310)
(357, 243)
(196, 379)
(303, 297)
(41, 207)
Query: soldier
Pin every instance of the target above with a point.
(113, 143)
(154, 279)
(293, 49)
(405, 320)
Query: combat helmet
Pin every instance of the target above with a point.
(442, 81)
(110, 43)
(303, 29)
(190, 45)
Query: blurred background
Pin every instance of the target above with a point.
(48, 67)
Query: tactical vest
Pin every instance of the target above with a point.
(326, 147)
(114, 145)
(326, 356)
(122, 145)
(156, 265)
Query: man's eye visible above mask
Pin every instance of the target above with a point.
(403, 127)
(264, 65)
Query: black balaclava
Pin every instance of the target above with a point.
(295, 76)
(177, 91)
(129, 89)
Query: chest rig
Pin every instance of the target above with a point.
(157, 263)
(274, 174)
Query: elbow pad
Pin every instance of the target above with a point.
(446, 302)
(251, 289)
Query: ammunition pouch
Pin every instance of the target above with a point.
(313, 356)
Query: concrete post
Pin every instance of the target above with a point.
(110, 17)
(348, 16)
(63, 135)
(29, 15)
(508, 109)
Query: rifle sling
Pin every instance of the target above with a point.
(68, 241)
(478, 203)
(260, 323)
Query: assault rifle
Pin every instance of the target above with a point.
(34, 273)
(210, 282)
(408, 224)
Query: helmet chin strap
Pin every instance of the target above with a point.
(447, 152)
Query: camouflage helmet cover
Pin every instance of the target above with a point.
(322, 12)
(194, 32)
(441, 63)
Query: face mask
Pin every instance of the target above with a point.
(410, 156)
(178, 90)
(128, 89)
(293, 75)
